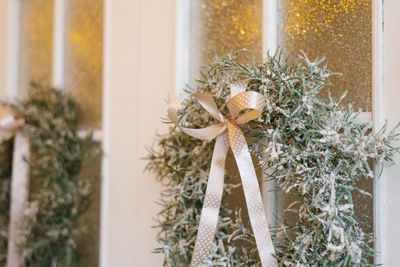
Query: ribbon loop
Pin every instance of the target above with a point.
(208, 104)
(243, 107)
(246, 100)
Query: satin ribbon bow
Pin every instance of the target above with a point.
(228, 134)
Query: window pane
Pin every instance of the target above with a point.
(88, 242)
(83, 80)
(340, 30)
(84, 62)
(223, 27)
(36, 43)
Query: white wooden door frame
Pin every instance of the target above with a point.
(389, 215)
(139, 75)
(379, 120)
(269, 45)
(9, 45)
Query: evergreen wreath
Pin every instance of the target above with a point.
(310, 146)
(59, 194)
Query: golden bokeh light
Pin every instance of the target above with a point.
(36, 43)
(341, 31)
(84, 61)
(223, 27)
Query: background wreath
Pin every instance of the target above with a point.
(59, 194)
(309, 145)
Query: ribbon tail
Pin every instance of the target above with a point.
(252, 194)
(212, 202)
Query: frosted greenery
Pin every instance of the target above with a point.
(310, 146)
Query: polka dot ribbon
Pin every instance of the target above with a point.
(243, 107)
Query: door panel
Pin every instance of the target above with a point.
(138, 78)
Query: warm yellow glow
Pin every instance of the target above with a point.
(84, 58)
(230, 25)
(321, 16)
(340, 30)
(36, 45)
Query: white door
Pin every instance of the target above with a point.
(151, 48)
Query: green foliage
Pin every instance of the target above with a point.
(309, 145)
(59, 196)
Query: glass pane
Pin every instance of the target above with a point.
(36, 43)
(340, 30)
(84, 61)
(223, 27)
(83, 80)
(88, 242)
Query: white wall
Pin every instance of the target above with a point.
(391, 184)
(139, 75)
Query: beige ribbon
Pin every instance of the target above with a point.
(10, 127)
(228, 134)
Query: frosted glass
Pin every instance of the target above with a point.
(36, 43)
(340, 30)
(225, 27)
(222, 27)
(88, 242)
(84, 62)
(83, 81)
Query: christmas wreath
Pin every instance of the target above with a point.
(310, 146)
(59, 194)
